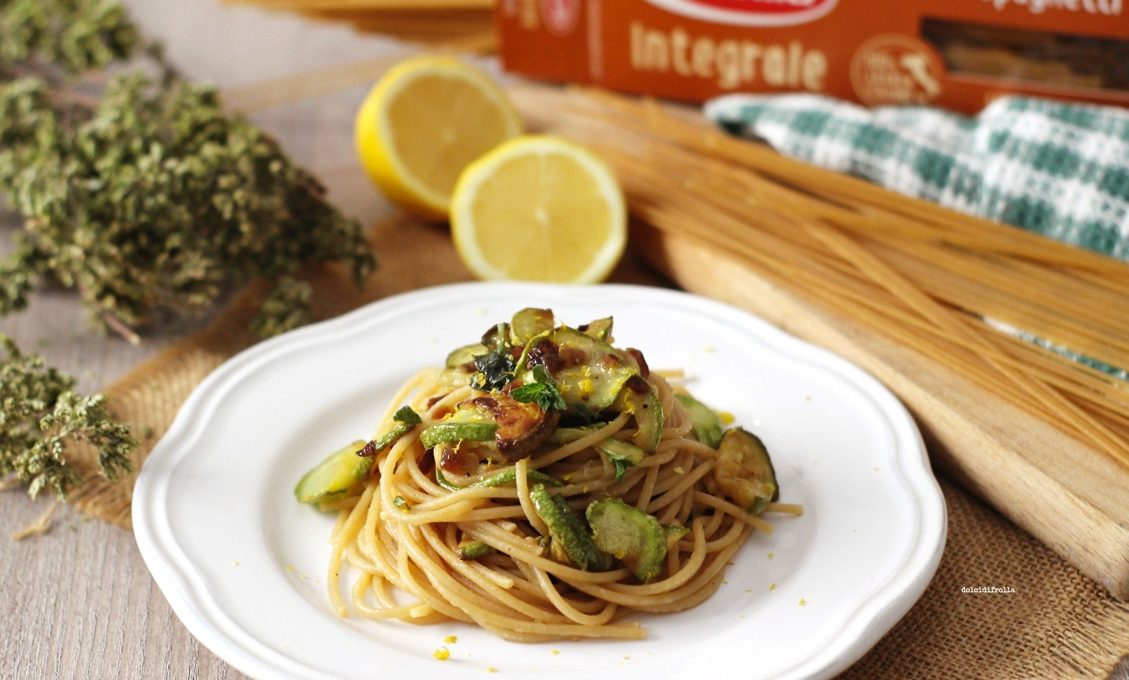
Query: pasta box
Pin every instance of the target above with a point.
(957, 54)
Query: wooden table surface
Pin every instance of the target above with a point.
(79, 601)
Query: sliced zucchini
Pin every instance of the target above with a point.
(485, 433)
(473, 550)
(639, 398)
(529, 322)
(744, 471)
(618, 449)
(387, 439)
(468, 423)
(335, 476)
(406, 420)
(449, 431)
(628, 534)
(441, 480)
(496, 337)
(704, 421)
(507, 477)
(465, 355)
(522, 425)
(567, 530)
(601, 329)
(567, 435)
(674, 534)
(620, 454)
(589, 372)
(459, 376)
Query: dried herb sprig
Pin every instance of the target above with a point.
(72, 35)
(40, 413)
(149, 196)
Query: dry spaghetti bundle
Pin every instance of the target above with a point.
(543, 485)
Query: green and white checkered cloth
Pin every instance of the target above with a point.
(1058, 169)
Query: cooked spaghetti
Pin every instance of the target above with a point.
(542, 485)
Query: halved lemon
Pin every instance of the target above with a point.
(423, 122)
(539, 208)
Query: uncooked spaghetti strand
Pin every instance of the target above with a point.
(796, 173)
(895, 329)
(609, 117)
(928, 307)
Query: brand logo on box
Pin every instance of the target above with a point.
(750, 12)
(560, 15)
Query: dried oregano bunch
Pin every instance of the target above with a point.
(146, 196)
(71, 35)
(40, 413)
(143, 195)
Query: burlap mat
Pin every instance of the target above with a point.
(1056, 623)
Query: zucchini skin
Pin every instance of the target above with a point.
(630, 535)
(440, 433)
(567, 530)
(335, 476)
(744, 471)
(704, 421)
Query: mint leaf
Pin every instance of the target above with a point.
(544, 392)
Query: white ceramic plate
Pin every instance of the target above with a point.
(242, 563)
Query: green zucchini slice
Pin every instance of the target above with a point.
(744, 471)
(335, 476)
(639, 399)
(704, 421)
(508, 477)
(621, 455)
(473, 550)
(450, 431)
(630, 535)
(567, 530)
(465, 355)
(601, 329)
(530, 322)
(589, 372)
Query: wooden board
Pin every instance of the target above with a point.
(1066, 494)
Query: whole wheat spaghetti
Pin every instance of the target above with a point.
(542, 485)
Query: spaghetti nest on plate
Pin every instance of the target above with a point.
(543, 484)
